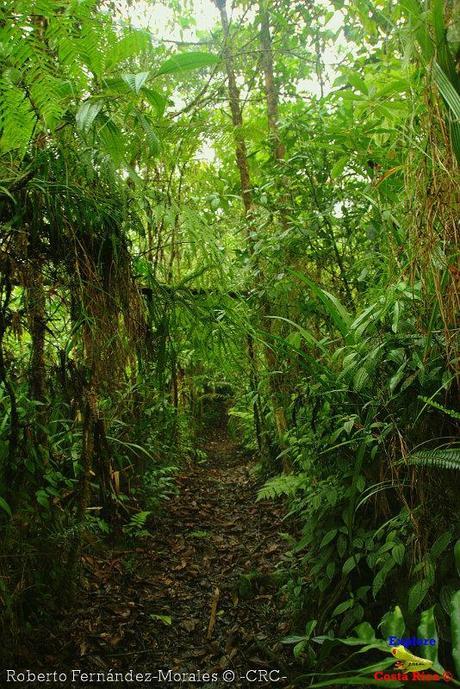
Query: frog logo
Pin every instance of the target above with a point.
(408, 662)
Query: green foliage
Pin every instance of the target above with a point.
(392, 624)
(283, 485)
(159, 485)
(140, 307)
(455, 630)
(184, 62)
(136, 527)
(448, 458)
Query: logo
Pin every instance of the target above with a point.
(411, 668)
(411, 641)
(421, 676)
(408, 662)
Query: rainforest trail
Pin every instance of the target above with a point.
(229, 238)
(199, 594)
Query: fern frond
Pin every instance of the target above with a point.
(129, 46)
(450, 412)
(284, 484)
(448, 458)
(17, 119)
(111, 139)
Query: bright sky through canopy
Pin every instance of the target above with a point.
(159, 19)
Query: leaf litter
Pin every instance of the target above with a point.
(176, 602)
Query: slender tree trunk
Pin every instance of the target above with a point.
(86, 462)
(13, 435)
(104, 467)
(246, 194)
(237, 117)
(278, 154)
(271, 92)
(272, 98)
(257, 411)
(36, 312)
(31, 276)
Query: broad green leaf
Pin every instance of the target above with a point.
(381, 576)
(455, 630)
(152, 139)
(427, 630)
(328, 537)
(440, 544)
(392, 623)
(397, 377)
(348, 425)
(4, 506)
(360, 379)
(156, 99)
(307, 336)
(393, 87)
(112, 140)
(341, 607)
(298, 649)
(292, 639)
(350, 564)
(339, 166)
(365, 632)
(330, 569)
(341, 545)
(457, 556)
(447, 90)
(184, 62)
(87, 113)
(332, 305)
(358, 83)
(309, 627)
(417, 593)
(135, 81)
(398, 553)
(166, 619)
(42, 498)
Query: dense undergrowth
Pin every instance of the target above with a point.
(150, 284)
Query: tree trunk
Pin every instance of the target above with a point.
(278, 153)
(246, 194)
(237, 117)
(13, 435)
(271, 92)
(35, 295)
(86, 462)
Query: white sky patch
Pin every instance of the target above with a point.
(206, 152)
(159, 19)
(330, 57)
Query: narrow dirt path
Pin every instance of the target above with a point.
(201, 595)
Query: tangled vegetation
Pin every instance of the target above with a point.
(259, 220)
